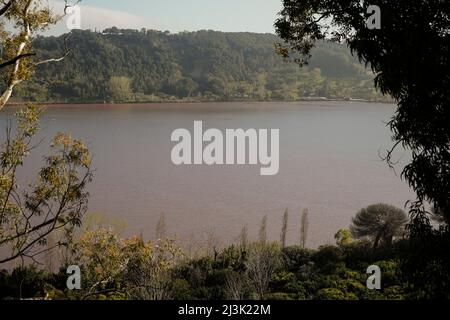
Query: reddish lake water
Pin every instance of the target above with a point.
(329, 163)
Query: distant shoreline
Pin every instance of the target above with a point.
(180, 101)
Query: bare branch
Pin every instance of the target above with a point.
(15, 59)
(388, 156)
(65, 54)
(6, 7)
(67, 5)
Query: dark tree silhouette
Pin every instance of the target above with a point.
(410, 56)
(380, 222)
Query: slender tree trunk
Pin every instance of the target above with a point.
(284, 228)
(262, 237)
(6, 96)
(13, 79)
(377, 241)
(304, 228)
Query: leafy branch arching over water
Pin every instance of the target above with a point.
(57, 200)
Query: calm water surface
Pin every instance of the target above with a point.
(329, 163)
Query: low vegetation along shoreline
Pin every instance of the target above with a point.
(113, 267)
(191, 101)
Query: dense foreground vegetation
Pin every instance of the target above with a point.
(147, 65)
(114, 268)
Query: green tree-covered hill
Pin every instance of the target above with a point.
(148, 65)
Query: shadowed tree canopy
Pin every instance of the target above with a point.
(411, 59)
(410, 56)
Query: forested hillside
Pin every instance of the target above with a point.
(129, 65)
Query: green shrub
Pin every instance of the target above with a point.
(279, 296)
(330, 294)
(23, 282)
(181, 290)
(295, 257)
(328, 259)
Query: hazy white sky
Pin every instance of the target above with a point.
(177, 15)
